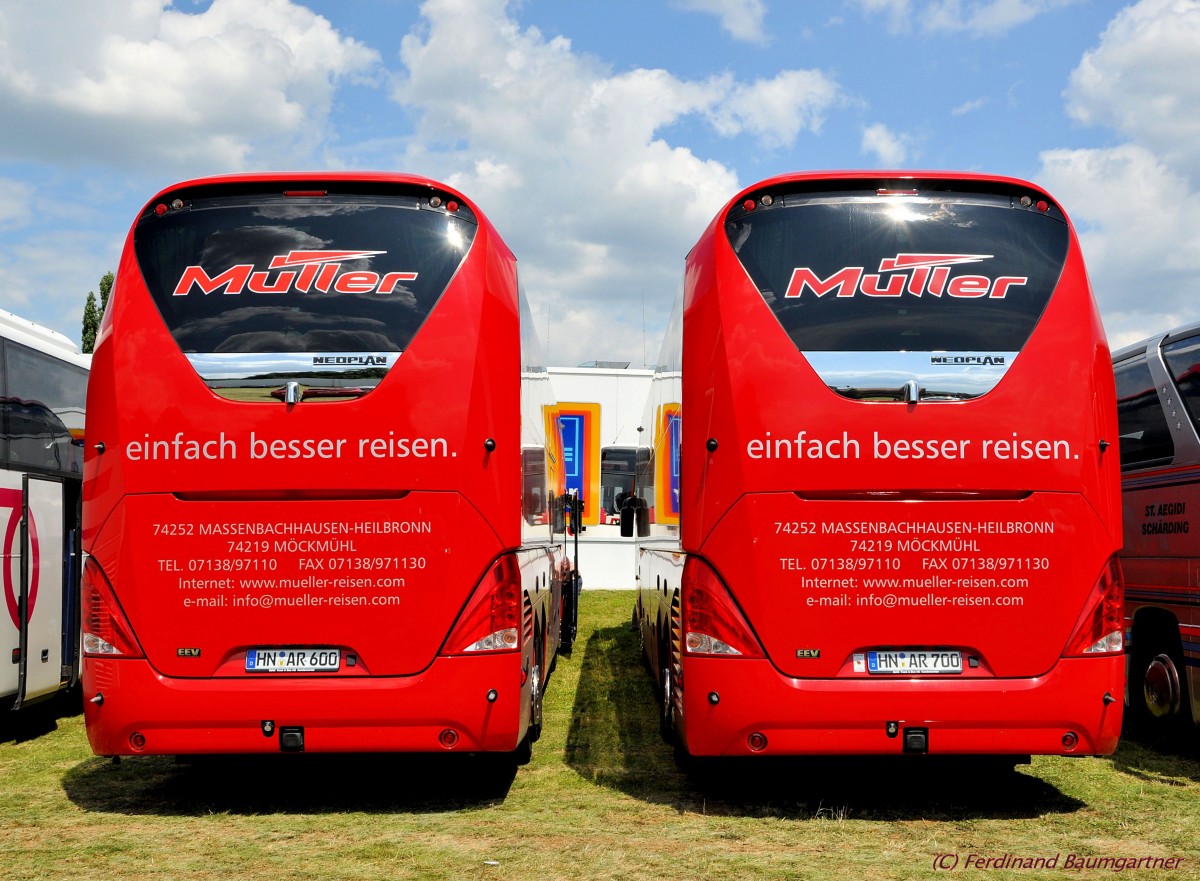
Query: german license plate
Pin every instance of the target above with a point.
(304, 660)
(914, 661)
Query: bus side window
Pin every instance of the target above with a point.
(41, 393)
(1145, 435)
(1183, 357)
(35, 437)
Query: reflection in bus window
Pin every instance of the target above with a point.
(618, 477)
(1145, 436)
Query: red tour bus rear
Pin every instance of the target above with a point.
(317, 504)
(889, 522)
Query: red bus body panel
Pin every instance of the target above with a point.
(892, 529)
(836, 717)
(854, 604)
(363, 525)
(364, 713)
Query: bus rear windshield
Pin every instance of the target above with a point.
(325, 289)
(877, 290)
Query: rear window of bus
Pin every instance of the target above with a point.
(855, 274)
(272, 286)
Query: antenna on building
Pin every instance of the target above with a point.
(643, 327)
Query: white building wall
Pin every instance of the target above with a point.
(621, 395)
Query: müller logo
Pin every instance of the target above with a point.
(304, 271)
(915, 274)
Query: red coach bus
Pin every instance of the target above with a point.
(318, 491)
(1158, 405)
(890, 520)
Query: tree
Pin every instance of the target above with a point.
(91, 322)
(93, 315)
(106, 284)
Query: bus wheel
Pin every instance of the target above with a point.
(666, 714)
(535, 694)
(689, 764)
(1161, 688)
(1158, 687)
(522, 754)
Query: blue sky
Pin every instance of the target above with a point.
(601, 136)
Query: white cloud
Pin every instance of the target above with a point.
(978, 18)
(52, 273)
(1137, 205)
(742, 19)
(969, 107)
(573, 164)
(130, 82)
(779, 109)
(897, 12)
(1140, 231)
(15, 207)
(1143, 80)
(889, 148)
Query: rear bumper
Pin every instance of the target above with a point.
(360, 714)
(851, 716)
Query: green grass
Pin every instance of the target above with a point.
(602, 799)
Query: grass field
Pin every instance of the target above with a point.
(602, 799)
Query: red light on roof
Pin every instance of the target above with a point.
(1043, 206)
(748, 204)
(160, 209)
(303, 193)
(451, 206)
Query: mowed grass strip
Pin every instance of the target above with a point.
(602, 799)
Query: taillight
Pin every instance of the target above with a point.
(1101, 628)
(491, 621)
(712, 622)
(106, 630)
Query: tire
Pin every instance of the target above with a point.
(569, 614)
(522, 755)
(666, 708)
(1158, 690)
(536, 693)
(687, 763)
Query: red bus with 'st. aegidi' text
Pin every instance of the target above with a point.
(320, 495)
(884, 502)
(1158, 412)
